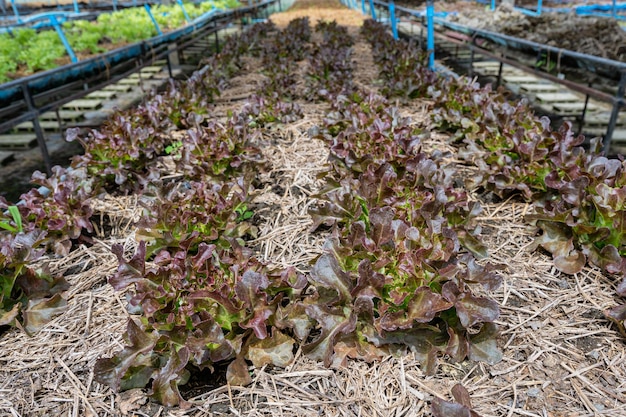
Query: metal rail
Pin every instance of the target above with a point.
(471, 37)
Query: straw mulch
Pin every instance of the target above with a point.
(561, 358)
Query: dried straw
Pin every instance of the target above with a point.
(561, 357)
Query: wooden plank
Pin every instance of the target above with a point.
(486, 71)
(129, 81)
(572, 108)
(162, 76)
(601, 121)
(619, 136)
(519, 79)
(487, 64)
(48, 125)
(68, 115)
(552, 98)
(539, 88)
(6, 157)
(152, 69)
(103, 94)
(18, 141)
(119, 88)
(83, 104)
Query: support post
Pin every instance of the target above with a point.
(64, 41)
(392, 17)
(154, 22)
(16, 12)
(115, 5)
(41, 140)
(430, 37)
(614, 12)
(539, 4)
(180, 3)
(493, 5)
(363, 7)
(499, 80)
(217, 38)
(76, 9)
(581, 124)
(619, 100)
(372, 10)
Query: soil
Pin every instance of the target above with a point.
(15, 176)
(561, 358)
(597, 36)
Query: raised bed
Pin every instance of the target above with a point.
(264, 182)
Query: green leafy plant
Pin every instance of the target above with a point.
(17, 221)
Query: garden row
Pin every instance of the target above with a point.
(400, 267)
(27, 50)
(578, 195)
(201, 295)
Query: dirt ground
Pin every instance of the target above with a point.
(561, 358)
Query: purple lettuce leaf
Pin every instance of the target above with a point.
(462, 407)
(112, 371)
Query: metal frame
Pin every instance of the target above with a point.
(470, 37)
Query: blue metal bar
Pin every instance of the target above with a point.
(372, 10)
(430, 33)
(530, 12)
(57, 26)
(617, 17)
(363, 6)
(154, 22)
(180, 3)
(115, 5)
(76, 9)
(17, 14)
(493, 5)
(392, 15)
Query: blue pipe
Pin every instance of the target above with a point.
(372, 10)
(17, 14)
(394, 24)
(66, 44)
(154, 22)
(430, 33)
(616, 17)
(363, 6)
(493, 5)
(76, 9)
(180, 3)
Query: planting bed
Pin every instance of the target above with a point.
(599, 36)
(316, 248)
(26, 51)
